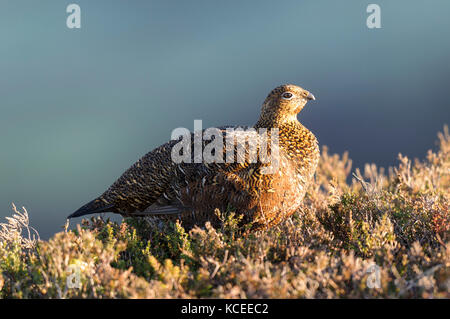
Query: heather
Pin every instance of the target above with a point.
(371, 233)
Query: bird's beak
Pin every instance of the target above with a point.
(310, 97)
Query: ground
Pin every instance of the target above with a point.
(371, 234)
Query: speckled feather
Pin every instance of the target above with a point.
(158, 187)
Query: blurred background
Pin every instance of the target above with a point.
(79, 106)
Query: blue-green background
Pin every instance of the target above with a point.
(78, 107)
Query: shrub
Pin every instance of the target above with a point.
(370, 235)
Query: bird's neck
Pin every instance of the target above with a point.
(279, 122)
(294, 138)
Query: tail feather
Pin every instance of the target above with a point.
(93, 207)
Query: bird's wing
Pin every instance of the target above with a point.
(151, 184)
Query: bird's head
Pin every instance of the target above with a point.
(285, 102)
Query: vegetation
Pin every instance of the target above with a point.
(374, 234)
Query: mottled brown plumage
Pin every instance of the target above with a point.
(158, 187)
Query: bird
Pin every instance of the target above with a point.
(263, 193)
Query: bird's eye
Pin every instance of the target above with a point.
(287, 95)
